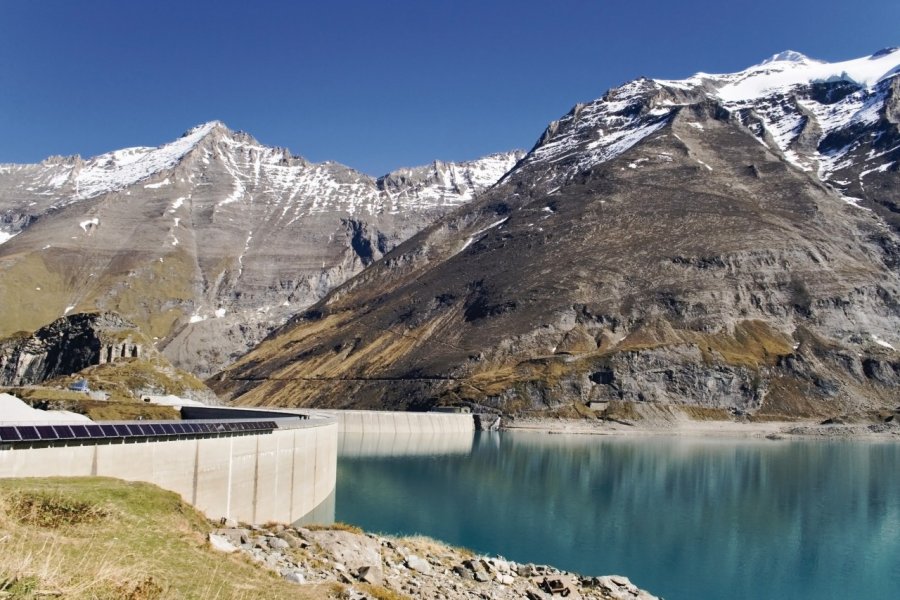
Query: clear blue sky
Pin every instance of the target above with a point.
(374, 84)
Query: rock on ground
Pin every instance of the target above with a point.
(369, 567)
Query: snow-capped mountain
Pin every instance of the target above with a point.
(209, 241)
(836, 120)
(704, 242)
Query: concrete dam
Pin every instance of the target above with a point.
(248, 465)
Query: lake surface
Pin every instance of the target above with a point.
(683, 518)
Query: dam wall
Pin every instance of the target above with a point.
(374, 421)
(279, 475)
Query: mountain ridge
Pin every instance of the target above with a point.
(206, 242)
(658, 244)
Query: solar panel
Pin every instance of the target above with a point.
(63, 432)
(28, 433)
(46, 432)
(9, 434)
(95, 431)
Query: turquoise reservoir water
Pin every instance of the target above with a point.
(683, 518)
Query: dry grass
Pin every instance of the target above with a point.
(135, 542)
(338, 526)
(52, 510)
(752, 344)
(381, 593)
(121, 378)
(705, 413)
(790, 399)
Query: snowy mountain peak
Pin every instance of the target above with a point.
(788, 56)
(205, 128)
(762, 80)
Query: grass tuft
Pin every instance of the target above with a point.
(339, 526)
(52, 510)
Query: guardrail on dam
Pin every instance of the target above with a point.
(275, 468)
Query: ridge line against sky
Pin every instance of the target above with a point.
(373, 84)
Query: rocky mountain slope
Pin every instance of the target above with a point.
(728, 241)
(208, 242)
(102, 348)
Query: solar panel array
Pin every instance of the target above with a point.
(53, 433)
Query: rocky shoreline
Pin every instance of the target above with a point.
(889, 430)
(365, 566)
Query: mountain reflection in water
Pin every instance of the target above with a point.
(683, 518)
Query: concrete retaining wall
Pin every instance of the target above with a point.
(279, 476)
(372, 421)
(360, 445)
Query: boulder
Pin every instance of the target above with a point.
(352, 550)
(221, 543)
(370, 574)
(278, 543)
(292, 540)
(294, 577)
(418, 564)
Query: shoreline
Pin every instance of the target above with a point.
(772, 430)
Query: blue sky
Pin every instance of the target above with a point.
(374, 84)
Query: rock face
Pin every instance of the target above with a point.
(725, 241)
(69, 345)
(208, 242)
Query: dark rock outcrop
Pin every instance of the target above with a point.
(69, 345)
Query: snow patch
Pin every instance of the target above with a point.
(475, 235)
(156, 186)
(854, 202)
(881, 342)
(220, 312)
(122, 168)
(196, 319)
(90, 222)
(69, 309)
(5, 237)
